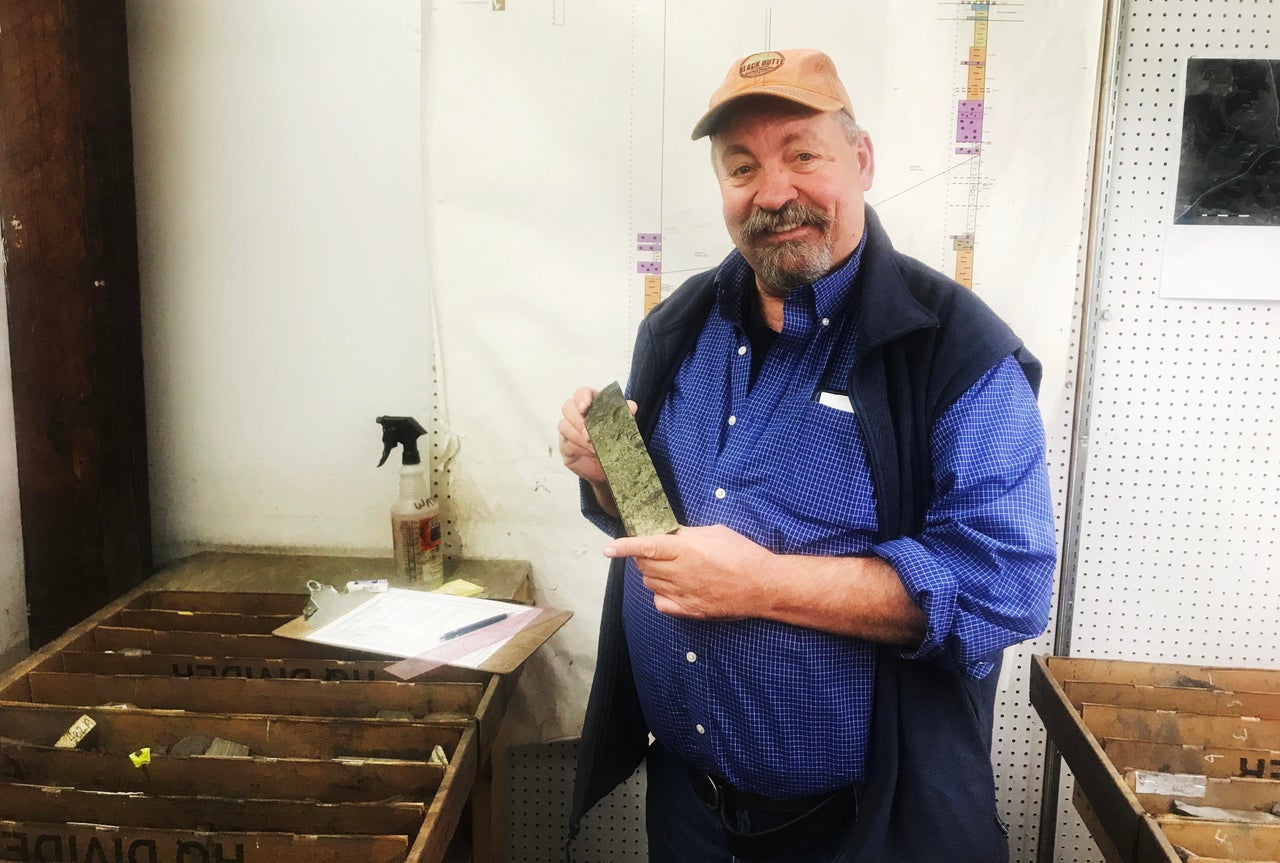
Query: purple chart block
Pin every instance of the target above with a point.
(649, 268)
(969, 121)
(649, 247)
(649, 238)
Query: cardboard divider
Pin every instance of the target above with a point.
(1251, 794)
(1223, 839)
(200, 621)
(123, 731)
(289, 604)
(1214, 762)
(219, 644)
(185, 665)
(43, 803)
(287, 697)
(28, 841)
(1217, 702)
(328, 781)
(1163, 674)
(1167, 726)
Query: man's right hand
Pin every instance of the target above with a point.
(576, 449)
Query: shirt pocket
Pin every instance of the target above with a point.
(822, 478)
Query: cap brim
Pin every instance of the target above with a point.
(816, 101)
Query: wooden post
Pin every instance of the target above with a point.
(71, 273)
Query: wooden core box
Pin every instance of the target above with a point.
(1146, 740)
(326, 780)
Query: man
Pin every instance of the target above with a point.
(853, 442)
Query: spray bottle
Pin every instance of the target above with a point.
(415, 517)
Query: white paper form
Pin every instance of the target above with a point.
(410, 623)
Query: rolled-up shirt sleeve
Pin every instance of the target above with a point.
(594, 513)
(982, 568)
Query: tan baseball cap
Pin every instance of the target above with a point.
(798, 75)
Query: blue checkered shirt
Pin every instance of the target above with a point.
(784, 710)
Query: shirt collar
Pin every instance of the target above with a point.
(829, 292)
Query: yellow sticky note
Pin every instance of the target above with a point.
(459, 587)
(141, 757)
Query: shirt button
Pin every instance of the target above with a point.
(698, 728)
(826, 322)
(691, 656)
(720, 493)
(732, 420)
(742, 349)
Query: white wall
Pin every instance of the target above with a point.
(13, 594)
(277, 151)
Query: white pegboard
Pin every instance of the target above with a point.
(540, 779)
(1179, 494)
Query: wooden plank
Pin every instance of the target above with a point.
(1218, 762)
(329, 781)
(75, 323)
(1170, 727)
(1258, 794)
(445, 810)
(182, 665)
(123, 731)
(290, 604)
(28, 841)
(491, 710)
(1089, 818)
(22, 802)
(436, 701)
(1223, 839)
(1118, 812)
(202, 621)
(1265, 705)
(220, 644)
(1153, 846)
(1065, 668)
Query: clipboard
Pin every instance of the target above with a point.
(426, 629)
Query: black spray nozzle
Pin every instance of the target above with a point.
(404, 431)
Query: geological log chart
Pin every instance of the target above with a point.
(969, 112)
(973, 25)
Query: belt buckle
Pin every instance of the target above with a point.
(706, 789)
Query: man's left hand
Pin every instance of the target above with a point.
(709, 573)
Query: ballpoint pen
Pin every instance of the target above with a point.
(472, 627)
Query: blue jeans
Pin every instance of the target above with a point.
(682, 829)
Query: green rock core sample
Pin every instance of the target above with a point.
(642, 502)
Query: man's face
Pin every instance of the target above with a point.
(792, 186)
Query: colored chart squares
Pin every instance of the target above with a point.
(969, 121)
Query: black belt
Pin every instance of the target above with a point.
(813, 820)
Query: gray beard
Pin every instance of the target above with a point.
(782, 267)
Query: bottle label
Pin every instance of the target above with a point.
(429, 534)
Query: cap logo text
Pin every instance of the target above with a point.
(760, 64)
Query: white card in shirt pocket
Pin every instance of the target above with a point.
(838, 401)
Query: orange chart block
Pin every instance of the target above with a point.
(964, 267)
(652, 292)
(977, 85)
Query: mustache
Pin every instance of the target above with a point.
(791, 214)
